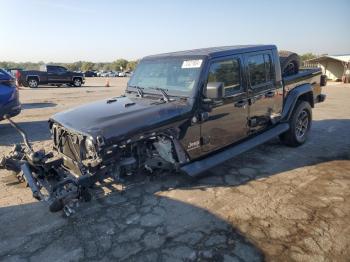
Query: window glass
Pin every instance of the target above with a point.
(173, 74)
(269, 69)
(227, 72)
(52, 69)
(257, 72)
(260, 69)
(61, 69)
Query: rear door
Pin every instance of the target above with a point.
(52, 74)
(264, 93)
(58, 74)
(227, 120)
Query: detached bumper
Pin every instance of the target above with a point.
(320, 98)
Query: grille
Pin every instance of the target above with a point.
(67, 143)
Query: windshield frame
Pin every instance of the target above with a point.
(171, 92)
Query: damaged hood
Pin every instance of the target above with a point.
(121, 117)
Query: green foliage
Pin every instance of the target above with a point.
(87, 66)
(76, 66)
(119, 65)
(131, 65)
(307, 56)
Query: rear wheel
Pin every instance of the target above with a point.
(33, 83)
(300, 124)
(77, 82)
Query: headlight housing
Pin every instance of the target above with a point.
(90, 147)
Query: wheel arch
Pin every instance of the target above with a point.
(33, 77)
(301, 93)
(75, 77)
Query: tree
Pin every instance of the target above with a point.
(87, 66)
(119, 64)
(307, 56)
(131, 65)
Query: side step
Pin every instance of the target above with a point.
(196, 168)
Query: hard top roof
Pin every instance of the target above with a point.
(215, 51)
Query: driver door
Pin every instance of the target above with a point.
(226, 122)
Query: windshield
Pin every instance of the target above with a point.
(171, 74)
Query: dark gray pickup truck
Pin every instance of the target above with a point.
(50, 74)
(186, 111)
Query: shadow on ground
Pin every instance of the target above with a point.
(36, 131)
(37, 105)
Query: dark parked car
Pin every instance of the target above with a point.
(9, 99)
(185, 111)
(14, 71)
(90, 74)
(50, 74)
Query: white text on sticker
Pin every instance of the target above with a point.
(192, 63)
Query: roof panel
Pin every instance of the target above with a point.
(215, 51)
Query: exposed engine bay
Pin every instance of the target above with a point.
(62, 178)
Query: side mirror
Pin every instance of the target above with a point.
(215, 90)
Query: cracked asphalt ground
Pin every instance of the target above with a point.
(272, 203)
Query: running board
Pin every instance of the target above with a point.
(196, 168)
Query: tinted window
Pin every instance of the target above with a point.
(61, 69)
(269, 68)
(260, 69)
(257, 72)
(227, 72)
(51, 69)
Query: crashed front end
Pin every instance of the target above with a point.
(62, 178)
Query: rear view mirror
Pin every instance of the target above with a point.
(215, 90)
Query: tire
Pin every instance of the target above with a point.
(300, 124)
(33, 83)
(77, 82)
(290, 63)
(56, 205)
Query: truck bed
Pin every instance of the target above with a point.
(304, 76)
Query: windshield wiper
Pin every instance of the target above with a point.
(139, 90)
(166, 97)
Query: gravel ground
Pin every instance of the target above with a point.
(272, 203)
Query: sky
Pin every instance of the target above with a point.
(104, 30)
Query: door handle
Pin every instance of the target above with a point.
(270, 94)
(241, 103)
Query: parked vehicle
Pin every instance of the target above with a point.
(50, 74)
(90, 74)
(104, 74)
(128, 74)
(9, 98)
(112, 74)
(185, 111)
(122, 74)
(14, 71)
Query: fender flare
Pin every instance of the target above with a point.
(292, 99)
(33, 76)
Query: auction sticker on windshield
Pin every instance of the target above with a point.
(192, 63)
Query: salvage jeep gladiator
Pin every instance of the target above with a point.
(182, 112)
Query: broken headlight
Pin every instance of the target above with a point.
(89, 147)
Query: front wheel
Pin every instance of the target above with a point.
(77, 82)
(300, 124)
